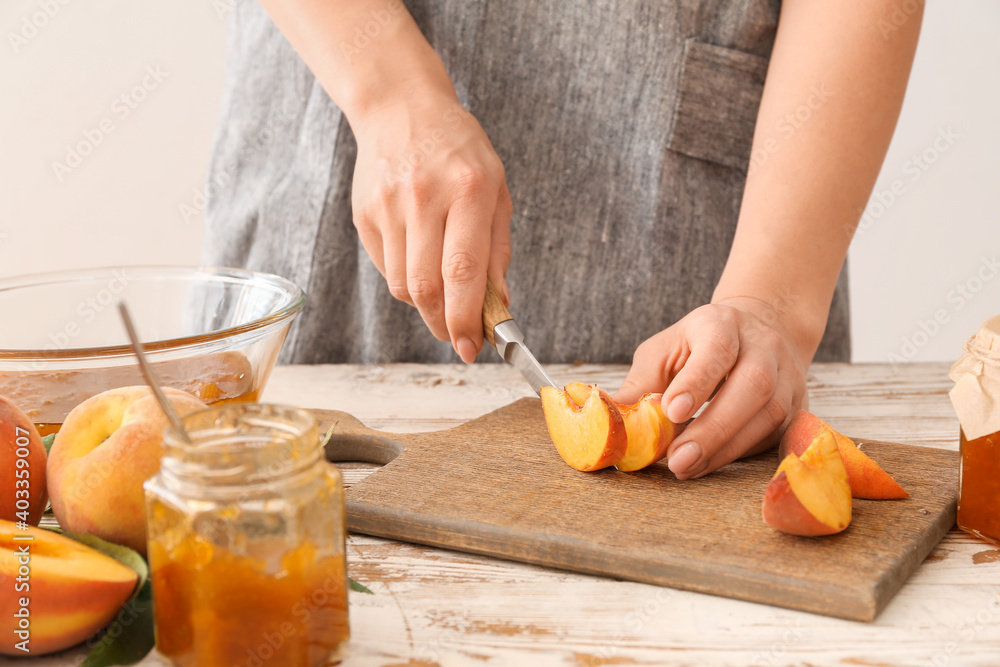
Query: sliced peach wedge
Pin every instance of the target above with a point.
(809, 494)
(649, 433)
(586, 427)
(70, 592)
(635, 436)
(868, 480)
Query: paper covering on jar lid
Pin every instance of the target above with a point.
(976, 394)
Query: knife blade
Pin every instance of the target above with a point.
(506, 337)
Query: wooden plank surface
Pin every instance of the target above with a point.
(440, 607)
(496, 486)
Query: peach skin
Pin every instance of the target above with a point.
(648, 430)
(868, 480)
(23, 490)
(809, 495)
(107, 447)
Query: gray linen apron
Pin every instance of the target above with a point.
(624, 127)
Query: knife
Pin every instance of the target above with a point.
(503, 333)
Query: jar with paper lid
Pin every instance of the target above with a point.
(976, 398)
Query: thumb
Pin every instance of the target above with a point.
(648, 373)
(630, 391)
(642, 378)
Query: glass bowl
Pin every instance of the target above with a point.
(214, 332)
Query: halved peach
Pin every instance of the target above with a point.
(809, 494)
(58, 591)
(648, 430)
(867, 478)
(586, 427)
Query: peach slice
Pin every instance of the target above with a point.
(649, 433)
(586, 427)
(809, 495)
(64, 591)
(868, 480)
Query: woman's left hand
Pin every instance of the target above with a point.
(737, 351)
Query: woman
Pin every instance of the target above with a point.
(595, 154)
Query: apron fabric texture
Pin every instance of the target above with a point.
(624, 127)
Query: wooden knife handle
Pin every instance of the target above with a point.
(494, 311)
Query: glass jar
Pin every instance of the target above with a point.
(976, 399)
(979, 486)
(246, 542)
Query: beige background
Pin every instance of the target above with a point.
(922, 278)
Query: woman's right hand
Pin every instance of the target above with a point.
(432, 209)
(430, 199)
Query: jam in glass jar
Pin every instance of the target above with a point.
(976, 398)
(247, 542)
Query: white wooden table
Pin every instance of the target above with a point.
(435, 607)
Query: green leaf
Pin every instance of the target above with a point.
(129, 637)
(360, 588)
(122, 554)
(47, 442)
(329, 434)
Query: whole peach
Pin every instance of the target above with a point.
(22, 466)
(107, 447)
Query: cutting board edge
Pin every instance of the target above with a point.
(477, 539)
(887, 587)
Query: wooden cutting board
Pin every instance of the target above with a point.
(497, 486)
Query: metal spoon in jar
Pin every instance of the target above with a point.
(147, 372)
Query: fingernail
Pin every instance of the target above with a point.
(466, 349)
(506, 292)
(684, 458)
(680, 408)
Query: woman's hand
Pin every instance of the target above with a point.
(800, 207)
(737, 350)
(430, 198)
(433, 211)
